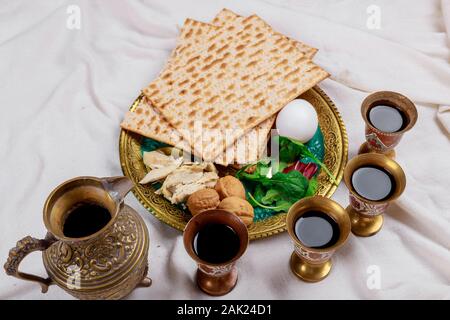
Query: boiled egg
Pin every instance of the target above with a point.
(297, 120)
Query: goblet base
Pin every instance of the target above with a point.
(309, 272)
(362, 225)
(217, 285)
(364, 148)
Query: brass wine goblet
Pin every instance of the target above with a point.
(378, 141)
(314, 264)
(367, 215)
(216, 279)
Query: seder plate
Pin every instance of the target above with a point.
(336, 149)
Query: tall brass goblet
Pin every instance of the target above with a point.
(308, 263)
(216, 279)
(377, 140)
(367, 215)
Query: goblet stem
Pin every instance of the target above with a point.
(364, 225)
(307, 271)
(365, 148)
(217, 285)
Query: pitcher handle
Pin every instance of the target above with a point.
(24, 247)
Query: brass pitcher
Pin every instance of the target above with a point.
(107, 264)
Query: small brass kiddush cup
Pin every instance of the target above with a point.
(216, 279)
(314, 264)
(366, 216)
(378, 141)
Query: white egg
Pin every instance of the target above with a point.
(297, 120)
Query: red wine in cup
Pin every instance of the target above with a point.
(372, 183)
(216, 243)
(85, 219)
(316, 229)
(387, 119)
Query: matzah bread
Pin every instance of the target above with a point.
(240, 76)
(147, 122)
(192, 33)
(225, 15)
(250, 146)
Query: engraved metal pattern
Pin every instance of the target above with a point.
(216, 271)
(336, 149)
(106, 267)
(312, 256)
(368, 209)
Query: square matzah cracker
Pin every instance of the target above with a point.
(146, 121)
(225, 16)
(249, 146)
(240, 76)
(191, 35)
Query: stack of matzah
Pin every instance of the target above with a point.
(222, 87)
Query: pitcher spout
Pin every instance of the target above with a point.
(117, 187)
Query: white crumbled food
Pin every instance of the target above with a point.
(161, 165)
(187, 179)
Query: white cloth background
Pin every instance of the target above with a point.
(64, 92)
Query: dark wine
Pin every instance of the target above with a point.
(216, 243)
(372, 183)
(316, 229)
(85, 219)
(387, 119)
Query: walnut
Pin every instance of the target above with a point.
(230, 186)
(202, 200)
(240, 207)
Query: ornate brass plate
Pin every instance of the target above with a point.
(336, 148)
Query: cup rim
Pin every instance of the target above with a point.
(319, 203)
(62, 237)
(210, 216)
(378, 160)
(392, 99)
